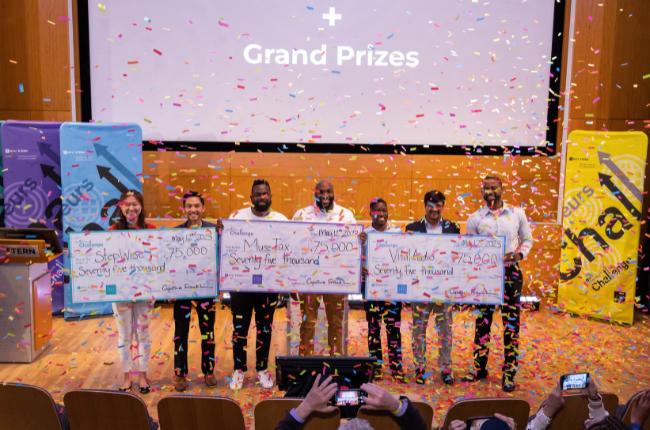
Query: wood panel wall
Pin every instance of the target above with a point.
(35, 53)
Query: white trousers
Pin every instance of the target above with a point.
(133, 317)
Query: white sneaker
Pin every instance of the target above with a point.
(265, 379)
(237, 380)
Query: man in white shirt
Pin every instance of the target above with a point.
(433, 223)
(500, 219)
(389, 311)
(242, 304)
(324, 210)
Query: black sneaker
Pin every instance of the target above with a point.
(447, 377)
(508, 383)
(473, 377)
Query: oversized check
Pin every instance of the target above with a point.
(435, 267)
(290, 256)
(140, 265)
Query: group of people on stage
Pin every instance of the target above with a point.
(495, 218)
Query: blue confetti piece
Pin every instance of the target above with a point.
(19, 277)
(47, 100)
(337, 72)
(390, 36)
(21, 88)
(310, 8)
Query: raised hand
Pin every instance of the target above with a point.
(380, 399)
(317, 398)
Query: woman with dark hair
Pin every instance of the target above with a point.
(133, 314)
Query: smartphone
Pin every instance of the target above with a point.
(574, 381)
(349, 397)
(486, 423)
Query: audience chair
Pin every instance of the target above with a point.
(106, 410)
(269, 412)
(518, 409)
(25, 407)
(183, 412)
(576, 410)
(385, 420)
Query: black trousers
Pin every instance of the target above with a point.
(242, 305)
(510, 312)
(391, 314)
(205, 321)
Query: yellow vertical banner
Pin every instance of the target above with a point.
(603, 195)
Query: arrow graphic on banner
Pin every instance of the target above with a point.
(606, 180)
(102, 151)
(49, 171)
(46, 149)
(603, 157)
(105, 172)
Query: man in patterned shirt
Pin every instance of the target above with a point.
(497, 218)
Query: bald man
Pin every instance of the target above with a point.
(325, 209)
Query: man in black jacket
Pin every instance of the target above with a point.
(407, 415)
(433, 223)
(194, 206)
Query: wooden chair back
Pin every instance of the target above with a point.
(627, 418)
(518, 409)
(576, 410)
(385, 420)
(269, 412)
(199, 413)
(105, 410)
(25, 407)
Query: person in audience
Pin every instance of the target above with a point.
(433, 223)
(389, 311)
(194, 206)
(242, 304)
(133, 314)
(461, 425)
(407, 415)
(325, 210)
(622, 409)
(599, 418)
(497, 218)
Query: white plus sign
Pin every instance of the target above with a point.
(332, 16)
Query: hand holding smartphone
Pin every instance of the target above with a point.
(574, 381)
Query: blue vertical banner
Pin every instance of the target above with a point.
(98, 163)
(32, 180)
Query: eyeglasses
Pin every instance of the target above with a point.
(130, 205)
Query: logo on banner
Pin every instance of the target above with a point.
(24, 202)
(257, 279)
(85, 200)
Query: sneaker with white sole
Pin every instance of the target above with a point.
(237, 380)
(265, 379)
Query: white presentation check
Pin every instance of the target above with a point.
(140, 265)
(435, 267)
(290, 256)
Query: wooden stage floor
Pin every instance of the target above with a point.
(84, 355)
